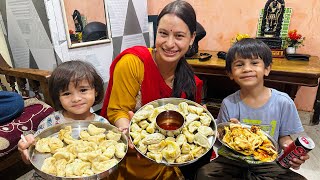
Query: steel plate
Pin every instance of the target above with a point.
(176, 101)
(38, 158)
(221, 133)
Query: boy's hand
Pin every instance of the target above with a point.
(295, 162)
(234, 120)
(23, 146)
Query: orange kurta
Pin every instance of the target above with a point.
(136, 80)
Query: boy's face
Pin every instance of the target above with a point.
(77, 101)
(248, 72)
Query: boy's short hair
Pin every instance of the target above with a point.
(74, 71)
(249, 48)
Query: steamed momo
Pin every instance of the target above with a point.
(120, 150)
(170, 107)
(142, 148)
(65, 135)
(110, 151)
(205, 119)
(95, 152)
(171, 151)
(43, 145)
(154, 138)
(205, 130)
(181, 139)
(151, 128)
(172, 147)
(98, 167)
(69, 157)
(113, 136)
(201, 140)
(191, 117)
(93, 130)
(185, 148)
(143, 114)
(193, 126)
(61, 167)
(183, 108)
(156, 156)
(143, 124)
(195, 110)
(184, 158)
(79, 167)
(155, 148)
(155, 113)
(49, 166)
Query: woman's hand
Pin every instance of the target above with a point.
(123, 125)
(204, 106)
(23, 146)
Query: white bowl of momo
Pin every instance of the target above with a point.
(78, 150)
(195, 140)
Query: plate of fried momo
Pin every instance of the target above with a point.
(248, 141)
(195, 139)
(78, 150)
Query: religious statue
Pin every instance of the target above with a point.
(272, 23)
(272, 17)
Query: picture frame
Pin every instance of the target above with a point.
(86, 23)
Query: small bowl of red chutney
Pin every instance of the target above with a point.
(170, 122)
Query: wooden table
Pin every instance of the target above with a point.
(287, 74)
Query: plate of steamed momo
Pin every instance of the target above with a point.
(78, 150)
(196, 137)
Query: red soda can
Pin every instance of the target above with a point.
(301, 146)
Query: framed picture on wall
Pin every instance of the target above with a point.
(86, 22)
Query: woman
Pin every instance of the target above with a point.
(140, 75)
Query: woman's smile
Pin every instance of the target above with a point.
(170, 52)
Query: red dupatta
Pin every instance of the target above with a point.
(153, 85)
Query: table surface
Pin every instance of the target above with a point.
(297, 72)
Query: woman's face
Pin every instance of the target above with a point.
(173, 38)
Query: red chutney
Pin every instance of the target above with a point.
(169, 126)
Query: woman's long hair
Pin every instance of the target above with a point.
(184, 76)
